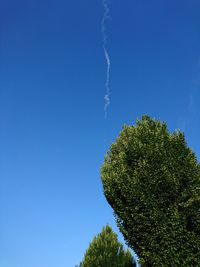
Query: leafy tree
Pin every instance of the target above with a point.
(106, 251)
(152, 181)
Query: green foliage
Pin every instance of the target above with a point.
(152, 181)
(106, 251)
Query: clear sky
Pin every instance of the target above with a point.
(52, 127)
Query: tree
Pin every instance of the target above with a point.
(106, 251)
(151, 179)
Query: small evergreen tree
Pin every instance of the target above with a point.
(106, 251)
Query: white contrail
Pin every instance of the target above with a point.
(106, 17)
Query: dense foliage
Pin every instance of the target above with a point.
(106, 251)
(152, 181)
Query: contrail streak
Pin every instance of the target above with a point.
(106, 17)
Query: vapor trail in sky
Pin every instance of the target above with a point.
(106, 17)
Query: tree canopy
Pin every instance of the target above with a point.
(151, 179)
(105, 251)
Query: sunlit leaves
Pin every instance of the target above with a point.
(105, 251)
(151, 179)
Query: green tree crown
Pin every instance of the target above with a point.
(151, 179)
(106, 251)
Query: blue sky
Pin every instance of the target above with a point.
(52, 127)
